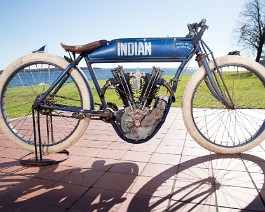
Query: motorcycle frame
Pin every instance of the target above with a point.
(201, 50)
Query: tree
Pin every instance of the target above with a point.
(250, 32)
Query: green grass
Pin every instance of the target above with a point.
(19, 100)
(111, 94)
(245, 90)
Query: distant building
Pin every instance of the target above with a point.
(262, 62)
(236, 52)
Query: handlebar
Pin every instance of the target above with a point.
(193, 30)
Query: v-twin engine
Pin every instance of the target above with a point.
(139, 122)
(137, 119)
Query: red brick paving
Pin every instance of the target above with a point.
(103, 173)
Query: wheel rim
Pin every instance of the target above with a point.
(231, 127)
(23, 88)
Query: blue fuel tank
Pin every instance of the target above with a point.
(144, 48)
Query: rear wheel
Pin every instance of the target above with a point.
(23, 83)
(216, 127)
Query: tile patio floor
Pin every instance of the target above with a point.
(103, 173)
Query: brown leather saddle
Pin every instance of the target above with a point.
(87, 48)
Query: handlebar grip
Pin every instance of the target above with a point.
(202, 23)
(193, 28)
(197, 25)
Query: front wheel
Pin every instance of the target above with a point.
(22, 84)
(219, 128)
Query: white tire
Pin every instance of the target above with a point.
(217, 128)
(18, 127)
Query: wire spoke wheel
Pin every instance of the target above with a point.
(222, 129)
(24, 86)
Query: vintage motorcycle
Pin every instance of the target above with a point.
(49, 99)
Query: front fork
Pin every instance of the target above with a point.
(216, 86)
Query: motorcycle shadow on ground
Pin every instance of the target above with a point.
(208, 181)
(58, 188)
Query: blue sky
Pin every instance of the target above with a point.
(26, 25)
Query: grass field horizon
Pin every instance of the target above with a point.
(19, 100)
